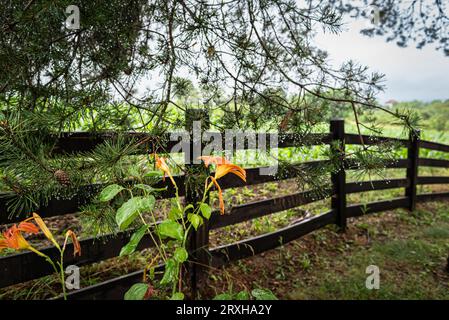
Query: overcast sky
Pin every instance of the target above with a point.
(410, 73)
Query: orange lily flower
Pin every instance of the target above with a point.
(3, 243)
(223, 167)
(13, 239)
(28, 227)
(162, 165)
(76, 244)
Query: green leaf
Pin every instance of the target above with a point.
(174, 213)
(148, 188)
(171, 229)
(223, 296)
(147, 203)
(110, 192)
(177, 296)
(151, 174)
(134, 241)
(170, 272)
(190, 206)
(263, 294)
(195, 220)
(127, 212)
(242, 295)
(206, 210)
(181, 255)
(131, 208)
(136, 292)
(143, 187)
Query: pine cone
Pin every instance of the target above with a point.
(211, 51)
(284, 123)
(62, 177)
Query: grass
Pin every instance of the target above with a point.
(437, 232)
(406, 266)
(409, 249)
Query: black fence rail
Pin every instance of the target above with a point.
(18, 268)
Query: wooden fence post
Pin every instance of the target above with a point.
(412, 169)
(337, 128)
(197, 121)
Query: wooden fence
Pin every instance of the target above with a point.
(18, 268)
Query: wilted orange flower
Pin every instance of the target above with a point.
(223, 167)
(76, 244)
(161, 164)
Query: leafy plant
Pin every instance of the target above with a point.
(169, 235)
